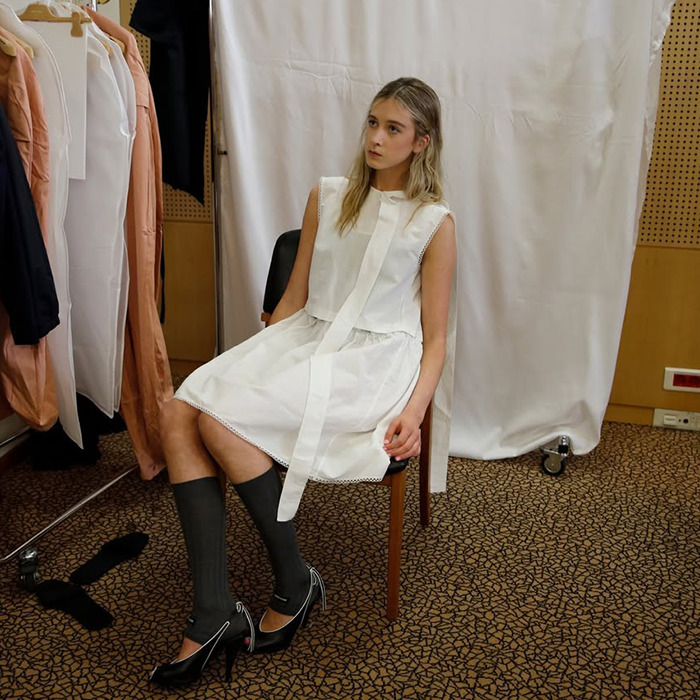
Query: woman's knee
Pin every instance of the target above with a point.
(209, 428)
(174, 416)
(217, 437)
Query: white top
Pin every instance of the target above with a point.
(318, 390)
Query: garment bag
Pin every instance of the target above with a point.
(95, 231)
(128, 94)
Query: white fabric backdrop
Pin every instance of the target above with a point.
(549, 111)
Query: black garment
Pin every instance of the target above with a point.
(26, 284)
(180, 78)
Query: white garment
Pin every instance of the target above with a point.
(70, 54)
(548, 114)
(60, 341)
(127, 91)
(95, 231)
(318, 390)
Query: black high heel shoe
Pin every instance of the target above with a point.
(185, 671)
(281, 638)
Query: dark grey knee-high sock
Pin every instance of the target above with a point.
(201, 507)
(261, 497)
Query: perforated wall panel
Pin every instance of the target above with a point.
(178, 206)
(671, 213)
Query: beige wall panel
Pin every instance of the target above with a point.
(190, 321)
(629, 414)
(662, 328)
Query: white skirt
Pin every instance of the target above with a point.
(259, 390)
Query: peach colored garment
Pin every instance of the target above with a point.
(146, 383)
(26, 377)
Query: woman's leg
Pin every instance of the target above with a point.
(258, 485)
(201, 507)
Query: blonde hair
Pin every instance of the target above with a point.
(425, 171)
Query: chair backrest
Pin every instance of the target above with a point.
(281, 265)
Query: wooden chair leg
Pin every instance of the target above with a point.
(398, 493)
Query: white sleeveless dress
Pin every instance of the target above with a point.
(318, 390)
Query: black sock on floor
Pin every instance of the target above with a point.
(261, 498)
(61, 595)
(201, 507)
(112, 553)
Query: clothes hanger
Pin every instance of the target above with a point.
(7, 47)
(72, 7)
(38, 12)
(27, 48)
(119, 43)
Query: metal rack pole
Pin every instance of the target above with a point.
(67, 514)
(215, 155)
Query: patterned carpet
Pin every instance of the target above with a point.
(585, 585)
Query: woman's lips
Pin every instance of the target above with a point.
(374, 154)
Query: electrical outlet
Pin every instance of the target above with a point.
(679, 420)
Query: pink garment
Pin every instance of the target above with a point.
(146, 383)
(26, 376)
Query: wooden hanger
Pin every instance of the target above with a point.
(106, 45)
(7, 47)
(38, 12)
(119, 43)
(28, 49)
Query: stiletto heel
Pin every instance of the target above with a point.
(276, 640)
(231, 651)
(185, 671)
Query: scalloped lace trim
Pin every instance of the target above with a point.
(277, 459)
(320, 199)
(432, 233)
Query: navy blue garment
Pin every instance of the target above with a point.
(180, 78)
(26, 284)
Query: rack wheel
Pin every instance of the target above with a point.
(553, 466)
(28, 569)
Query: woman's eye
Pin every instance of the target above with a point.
(371, 122)
(393, 129)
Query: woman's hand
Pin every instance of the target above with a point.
(402, 439)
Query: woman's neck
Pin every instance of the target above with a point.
(389, 180)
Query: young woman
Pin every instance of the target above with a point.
(334, 388)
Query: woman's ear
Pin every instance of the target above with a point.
(421, 143)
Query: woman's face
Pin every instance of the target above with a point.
(390, 138)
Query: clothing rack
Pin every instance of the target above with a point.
(27, 555)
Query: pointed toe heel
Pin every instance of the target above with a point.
(181, 673)
(276, 640)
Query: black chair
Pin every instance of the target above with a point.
(280, 270)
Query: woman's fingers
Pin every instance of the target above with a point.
(391, 431)
(411, 449)
(405, 445)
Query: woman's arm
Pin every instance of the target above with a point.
(402, 439)
(297, 291)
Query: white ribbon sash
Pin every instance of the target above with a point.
(321, 363)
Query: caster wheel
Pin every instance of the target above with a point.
(553, 466)
(29, 569)
(29, 581)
